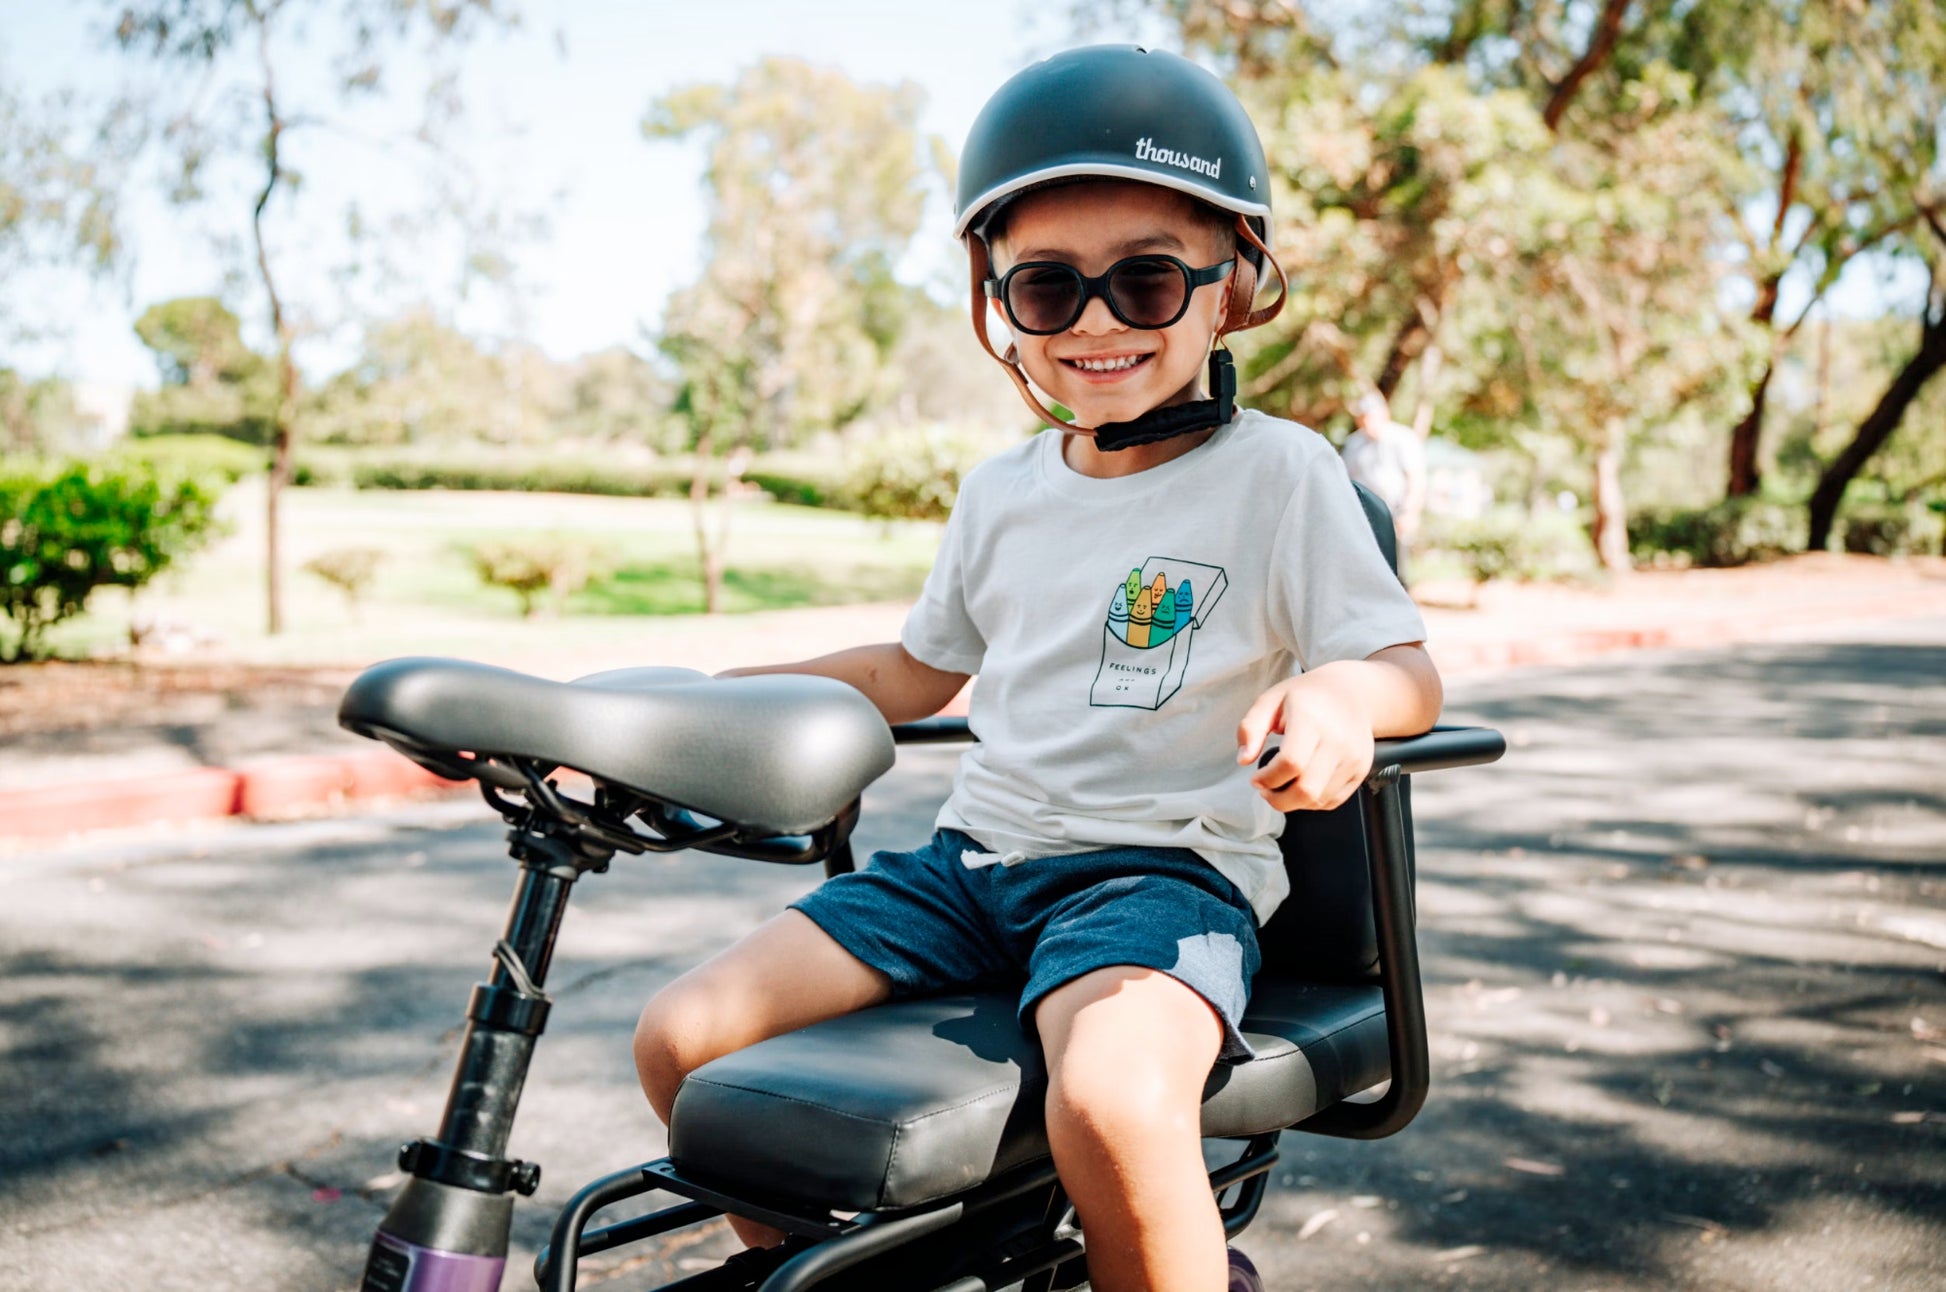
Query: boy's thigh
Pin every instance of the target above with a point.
(785, 974)
(1113, 1025)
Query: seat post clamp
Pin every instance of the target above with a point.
(431, 1160)
(506, 1009)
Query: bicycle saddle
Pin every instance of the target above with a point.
(782, 753)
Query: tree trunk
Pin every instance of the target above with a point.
(709, 553)
(1879, 424)
(1744, 439)
(1600, 45)
(1611, 512)
(280, 451)
(1422, 414)
(1415, 333)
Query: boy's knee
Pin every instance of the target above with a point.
(672, 1039)
(1112, 1102)
(1128, 1051)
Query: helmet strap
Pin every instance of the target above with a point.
(1179, 419)
(982, 269)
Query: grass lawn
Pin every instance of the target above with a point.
(427, 596)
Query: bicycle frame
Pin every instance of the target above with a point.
(447, 1231)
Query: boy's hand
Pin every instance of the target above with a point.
(1327, 750)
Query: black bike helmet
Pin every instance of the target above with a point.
(1113, 112)
(1122, 112)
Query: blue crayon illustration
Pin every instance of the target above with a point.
(1185, 602)
(1118, 612)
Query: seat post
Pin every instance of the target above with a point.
(450, 1223)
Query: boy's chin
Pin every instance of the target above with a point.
(1106, 412)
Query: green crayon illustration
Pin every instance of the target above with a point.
(1134, 585)
(1165, 620)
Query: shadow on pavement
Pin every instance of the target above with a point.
(1684, 966)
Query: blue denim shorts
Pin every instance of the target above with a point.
(931, 923)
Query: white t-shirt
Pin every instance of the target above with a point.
(1121, 627)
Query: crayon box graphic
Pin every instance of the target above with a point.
(1153, 616)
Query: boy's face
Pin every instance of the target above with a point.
(1101, 368)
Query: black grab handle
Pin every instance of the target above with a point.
(1436, 750)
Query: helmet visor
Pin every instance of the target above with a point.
(1043, 297)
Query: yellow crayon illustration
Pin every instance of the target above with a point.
(1141, 618)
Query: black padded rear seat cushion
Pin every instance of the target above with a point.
(912, 1102)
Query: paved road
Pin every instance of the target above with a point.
(1685, 951)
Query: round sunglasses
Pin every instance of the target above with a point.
(1043, 297)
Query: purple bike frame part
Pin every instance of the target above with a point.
(399, 1266)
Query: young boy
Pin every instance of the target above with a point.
(1146, 595)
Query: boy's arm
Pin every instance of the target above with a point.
(903, 689)
(1329, 718)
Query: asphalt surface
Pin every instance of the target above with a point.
(1685, 952)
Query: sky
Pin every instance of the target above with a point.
(552, 127)
(553, 124)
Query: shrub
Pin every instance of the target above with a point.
(528, 567)
(67, 530)
(1736, 531)
(348, 569)
(1889, 529)
(1511, 544)
(911, 474)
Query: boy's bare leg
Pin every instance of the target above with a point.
(787, 974)
(1128, 1051)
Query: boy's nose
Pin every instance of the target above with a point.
(1096, 319)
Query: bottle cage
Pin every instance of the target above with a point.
(1157, 423)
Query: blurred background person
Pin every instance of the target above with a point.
(1389, 459)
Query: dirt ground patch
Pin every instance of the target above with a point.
(38, 699)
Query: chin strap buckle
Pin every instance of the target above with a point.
(1180, 419)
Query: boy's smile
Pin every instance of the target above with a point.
(1100, 367)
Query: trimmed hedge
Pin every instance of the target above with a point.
(202, 456)
(790, 480)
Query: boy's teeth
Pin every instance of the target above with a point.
(1108, 365)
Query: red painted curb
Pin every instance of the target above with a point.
(51, 811)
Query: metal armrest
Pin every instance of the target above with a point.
(1438, 749)
(1388, 854)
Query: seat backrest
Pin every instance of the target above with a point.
(1323, 932)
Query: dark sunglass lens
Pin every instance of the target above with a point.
(1043, 298)
(1150, 291)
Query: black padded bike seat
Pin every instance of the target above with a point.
(779, 753)
(912, 1102)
